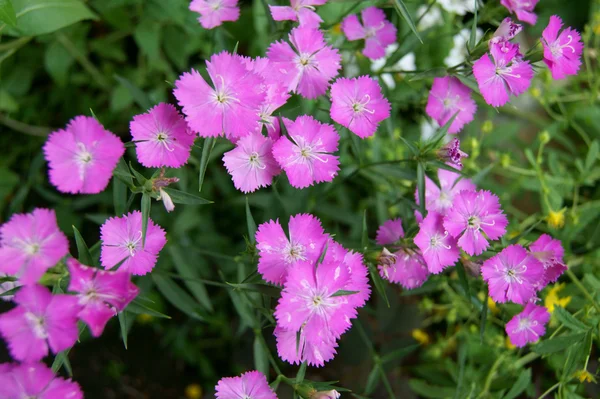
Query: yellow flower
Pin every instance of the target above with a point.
(420, 336)
(508, 344)
(193, 391)
(584, 375)
(552, 300)
(556, 219)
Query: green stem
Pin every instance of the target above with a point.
(552, 388)
(491, 375)
(582, 288)
(21, 127)
(83, 60)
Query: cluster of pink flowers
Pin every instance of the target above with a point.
(323, 285)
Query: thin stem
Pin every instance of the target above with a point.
(21, 127)
(83, 60)
(491, 375)
(582, 288)
(552, 388)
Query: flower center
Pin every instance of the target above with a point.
(317, 300)
(293, 252)
(304, 60)
(255, 161)
(32, 249)
(37, 324)
(473, 222)
(361, 106)
(215, 5)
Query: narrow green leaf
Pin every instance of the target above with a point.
(557, 343)
(209, 144)
(426, 390)
(372, 380)
(592, 155)
(146, 207)
(181, 197)
(123, 173)
(399, 353)
(82, 249)
(436, 140)
(191, 277)
(520, 385)
(421, 188)
(235, 49)
(269, 290)
(176, 296)
(410, 146)
(139, 96)
(430, 73)
(323, 254)
(403, 11)
(250, 223)
(10, 292)
(364, 240)
(378, 282)
(462, 278)
(7, 279)
(473, 37)
(138, 176)
(136, 307)
(469, 82)
(62, 359)
(462, 359)
(301, 373)
(568, 320)
(7, 13)
(483, 320)
(119, 197)
(123, 324)
(38, 17)
(344, 293)
(261, 359)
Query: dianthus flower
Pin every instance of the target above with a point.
(307, 158)
(528, 326)
(562, 53)
(440, 199)
(512, 275)
(82, 156)
(37, 381)
(251, 163)
(409, 269)
(250, 385)
(39, 320)
(389, 232)
(550, 252)
(30, 244)
(449, 97)
(522, 8)
(230, 106)
(359, 105)
(277, 253)
(452, 154)
(122, 242)
(102, 294)
(308, 67)
(162, 137)
(439, 249)
(377, 31)
(302, 11)
(507, 74)
(294, 348)
(506, 31)
(214, 12)
(472, 214)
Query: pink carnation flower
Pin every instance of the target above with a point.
(389, 232)
(277, 253)
(250, 385)
(439, 249)
(440, 199)
(472, 214)
(550, 252)
(507, 74)
(512, 275)
(448, 96)
(452, 154)
(82, 156)
(308, 67)
(359, 105)
(30, 244)
(101, 294)
(251, 163)
(231, 107)
(214, 12)
(122, 242)
(294, 348)
(307, 158)
(506, 31)
(162, 137)
(35, 380)
(302, 11)
(562, 53)
(409, 269)
(39, 320)
(522, 8)
(377, 31)
(528, 326)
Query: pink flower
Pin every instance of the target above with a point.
(162, 137)
(277, 253)
(250, 385)
(214, 12)
(231, 107)
(307, 158)
(377, 31)
(523, 9)
(528, 326)
(359, 105)
(251, 163)
(300, 11)
(440, 199)
(389, 232)
(562, 53)
(438, 248)
(512, 275)
(40, 320)
(122, 242)
(30, 244)
(294, 348)
(410, 269)
(308, 67)
(101, 294)
(82, 156)
(451, 153)
(506, 31)
(448, 96)
(472, 214)
(507, 74)
(550, 252)
(37, 381)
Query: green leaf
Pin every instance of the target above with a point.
(378, 281)
(176, 296)
(430, 73)
(592, 155)
(138, 176)
(191, 277)
(462, 278)
(181, 197)
(269, 290)
(140, 97)
(57, 61)
(38, 17)
(261, 359)
(473, 37)
(83, 251)
(119, 197)
(484, 312)
(364, 241)
(7, 13)
(430, 391)
(123, 173)
(568, 320)
(399, 353)
(209, 144)
(462, 358)
(62, 359)
(250, 224)
(123, 324)
(301, 373)
(557, 343)
(421, 188)
(344, 293)
(372, 380)
(136, 307)
(520, 385)
(403, 11)
(146, 206)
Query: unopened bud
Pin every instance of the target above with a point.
(544, 137)
(332, 394)
(451, 153)
(167, 201)
(386, 258)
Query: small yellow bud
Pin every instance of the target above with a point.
(492, 306)
(193, 391)
(487, 126)
(556, 219)
(421, 336)
(508, 344)
(545, 137)
(397, 133)
(505, 160)
(144, 318)
(584, 375)
(535, 92)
